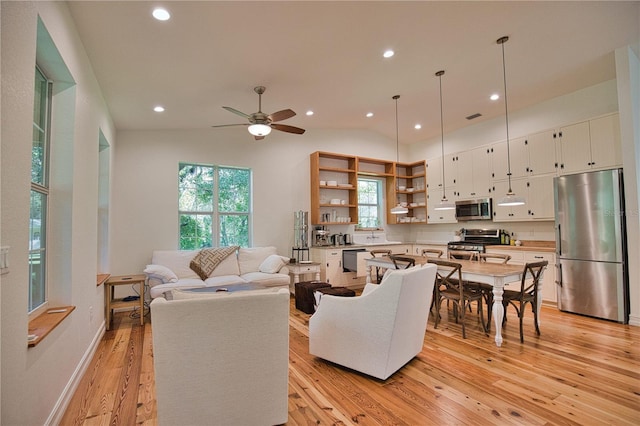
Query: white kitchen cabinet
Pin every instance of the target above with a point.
(539, 198)
(542, 153)
(434, 196)
(519, 156)
(593, 144)
(434, 173)
(549, 289)
(521, 257)
(513, 213)
(451, 170)
(330, 264)
(538, 194)
(606, 147)
(474, 173)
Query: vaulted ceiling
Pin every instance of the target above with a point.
(327, 57)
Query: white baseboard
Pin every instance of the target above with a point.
(634, 320)
(55, 417)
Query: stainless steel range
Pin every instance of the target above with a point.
(476, 240)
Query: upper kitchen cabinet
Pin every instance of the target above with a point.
(410, 189)
(434, 196)
(538, 194)
(593, 144)
(334, 183)
(542, 153)
(474, 173)
(517, 153)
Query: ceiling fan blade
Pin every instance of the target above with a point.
(230, 125)
(235, 111)
(259, 137)
(288, 129)
(282, 115)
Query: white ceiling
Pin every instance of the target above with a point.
(327, 56)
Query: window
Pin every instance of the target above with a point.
(370, 204)
(214, 206)
(39, 192)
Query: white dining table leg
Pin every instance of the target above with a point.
(368, 278)
(498, 309)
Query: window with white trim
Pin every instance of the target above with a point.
(214, 206)
(39, 192)
(370, 202)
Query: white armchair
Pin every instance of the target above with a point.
(379, 331)
(222, 358)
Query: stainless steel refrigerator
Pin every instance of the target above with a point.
(591, 250)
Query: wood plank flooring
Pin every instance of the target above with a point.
(580, 371)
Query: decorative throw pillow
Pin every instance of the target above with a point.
(208, 259)
(272, 264)
(162, 273)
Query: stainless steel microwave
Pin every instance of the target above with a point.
(480, 209)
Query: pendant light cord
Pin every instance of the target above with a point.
(444, 192)
(502, 41)
(396, 97)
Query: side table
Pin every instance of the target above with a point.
(112, 303)
(297, 269)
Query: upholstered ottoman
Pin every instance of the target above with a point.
(305, 299)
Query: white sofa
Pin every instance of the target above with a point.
(170, 269)
(222, 358)
(379, 331)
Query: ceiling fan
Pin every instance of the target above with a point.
(260, 124)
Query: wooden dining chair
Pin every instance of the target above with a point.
(450, 286)
(487, 289)
(402, 262)
(461, 255)
(379, 253)
(432, 253)
(530, 285)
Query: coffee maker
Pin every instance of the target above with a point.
(321, 236)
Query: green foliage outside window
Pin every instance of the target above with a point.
(369, 203)
(214, 206)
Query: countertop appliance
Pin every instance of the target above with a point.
(479, 209)
(475, 240)
(591, 249)
(321, 236)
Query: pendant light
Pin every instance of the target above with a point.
(398, 209)
(510, 199)
(444, 203)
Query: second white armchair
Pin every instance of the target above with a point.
(379, 331)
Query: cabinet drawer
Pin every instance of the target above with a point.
(539, 257)
(517, 257)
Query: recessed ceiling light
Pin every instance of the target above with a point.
(418, 126)
(158, 108)
(161, 14)
(369, 114)
(388, 53)
(494, 97)
(309, 112)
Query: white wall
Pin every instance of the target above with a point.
(33, 380)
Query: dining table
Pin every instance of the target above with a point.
(496, 274)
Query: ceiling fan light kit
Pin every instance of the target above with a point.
(259, 129)
(261, 124)
(510, 199)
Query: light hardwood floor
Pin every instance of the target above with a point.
(580, 371)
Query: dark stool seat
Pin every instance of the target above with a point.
(334, 291)
(305, 300)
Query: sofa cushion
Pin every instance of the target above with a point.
(273, 263)
(208, 259)
(159, 290)
(176, 260)
(269, 280)
(229, 266)
(162, 273)
(249, 259)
